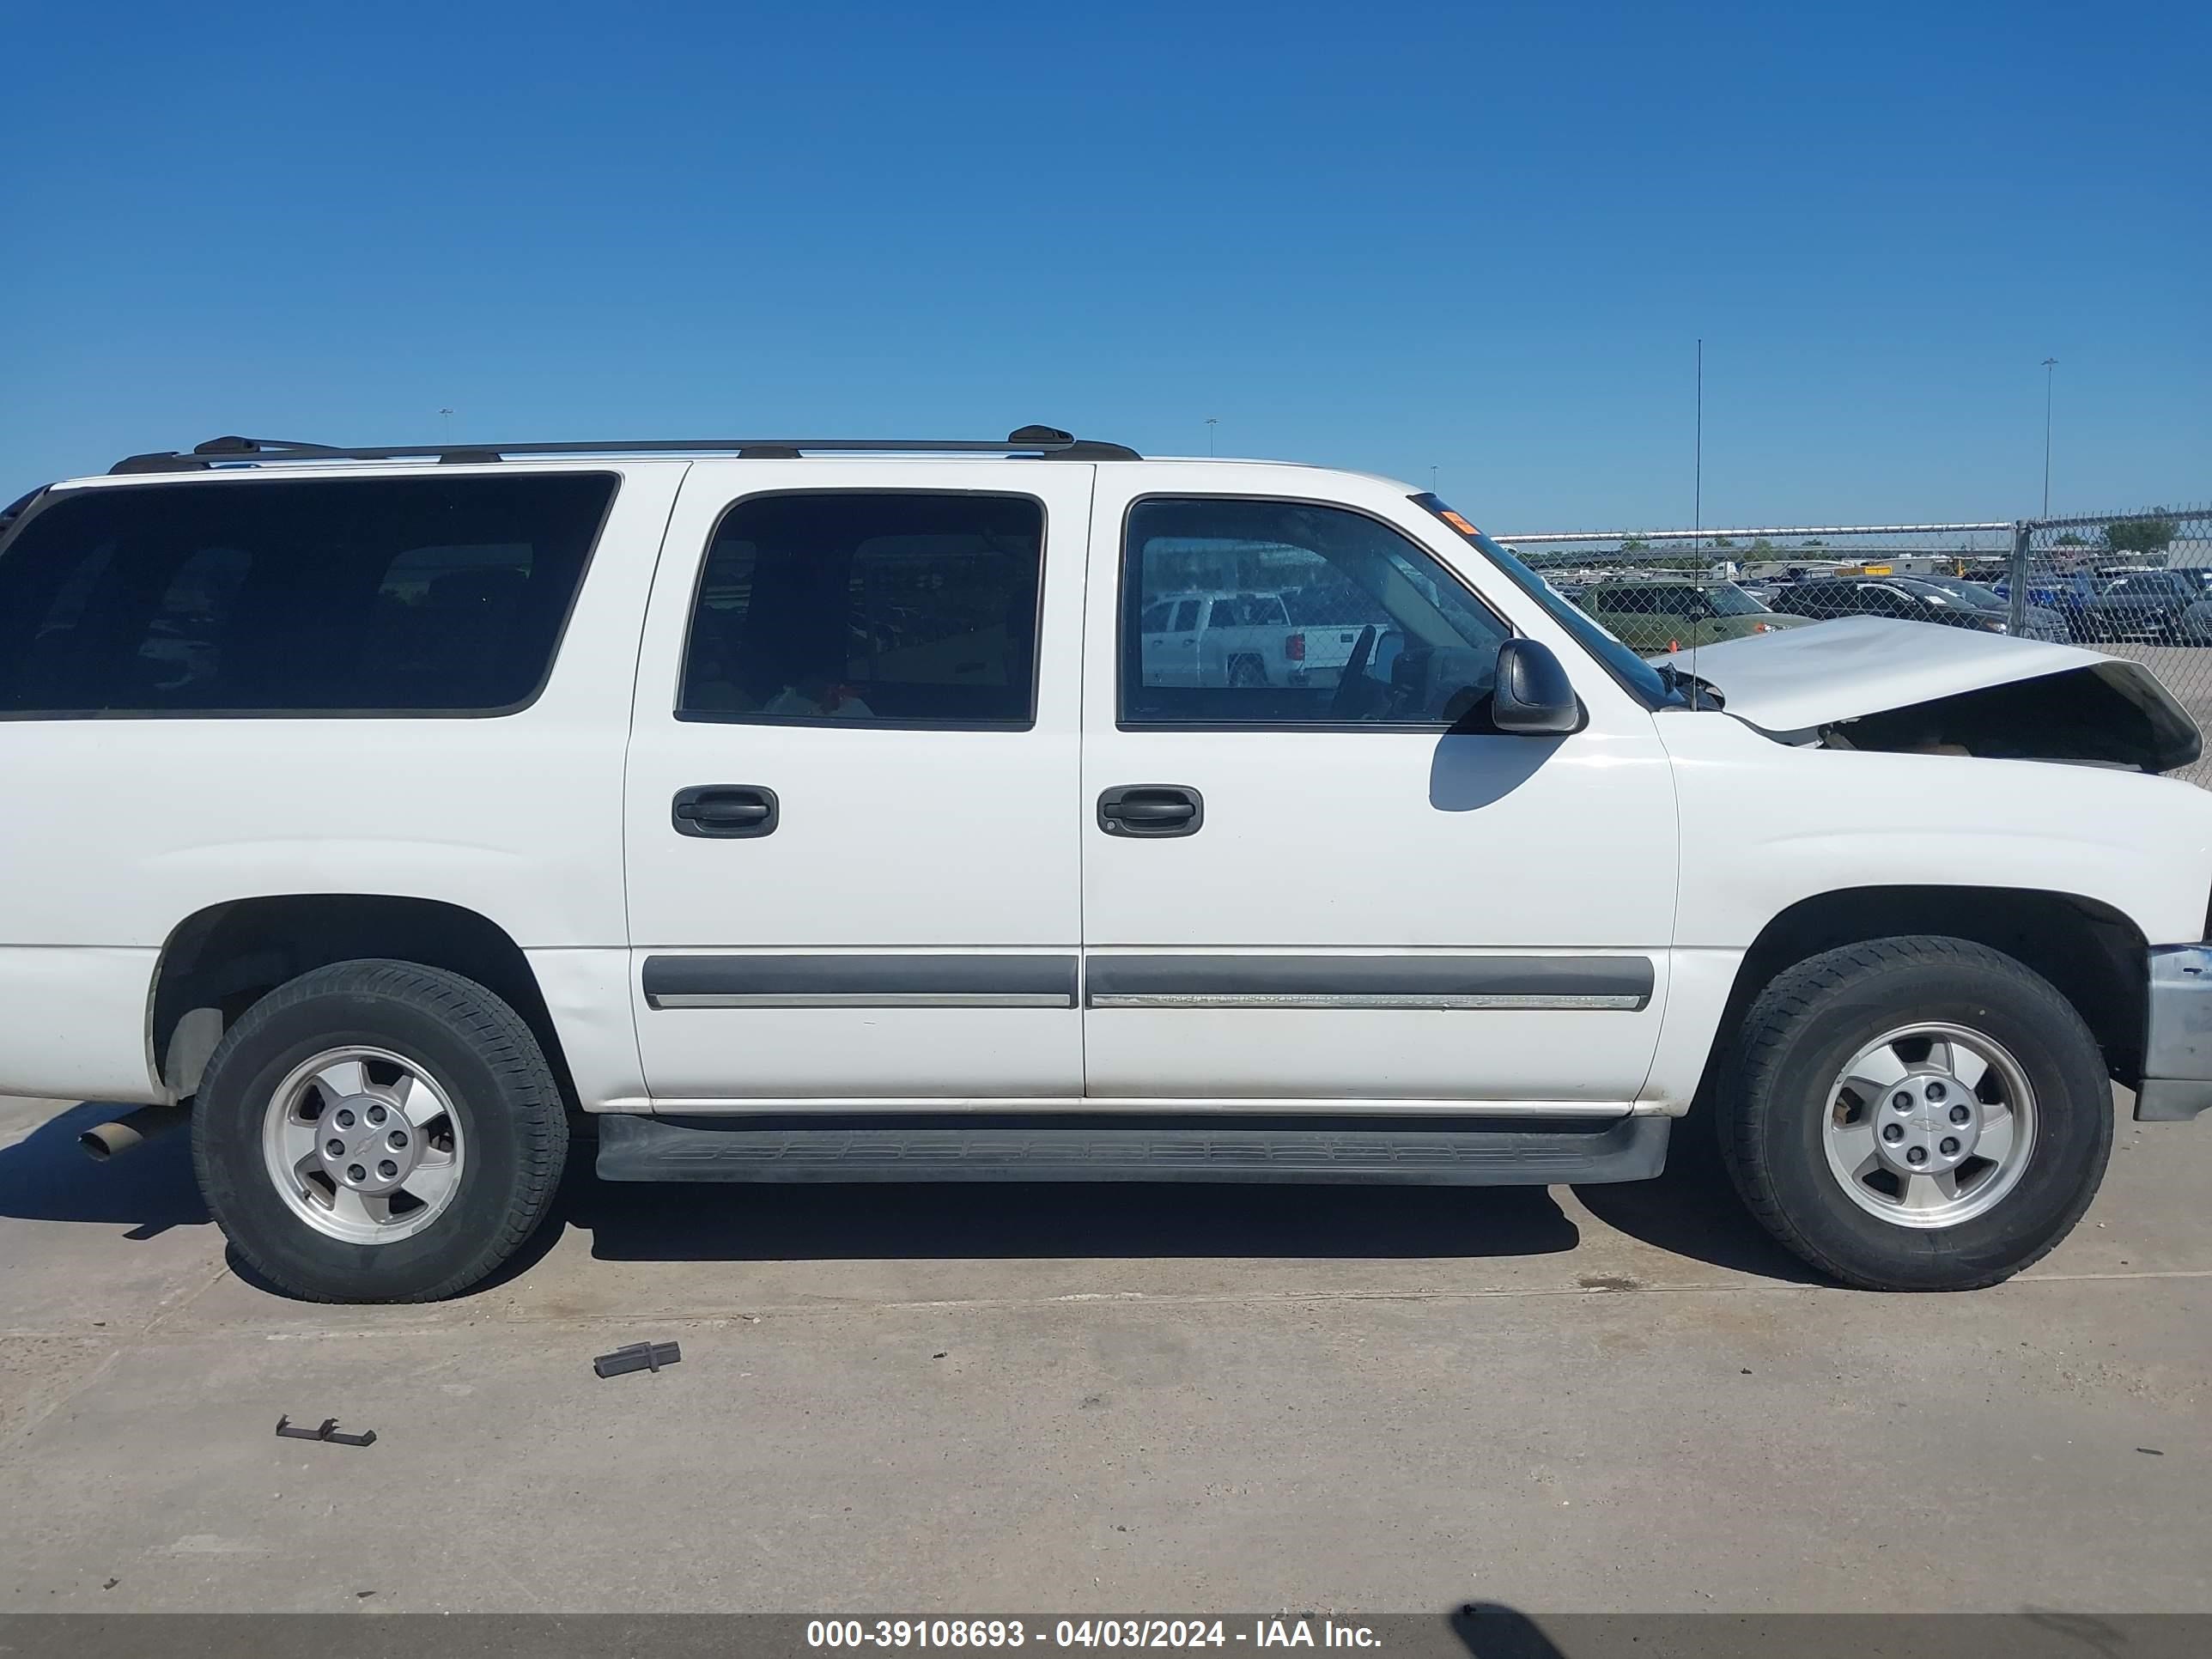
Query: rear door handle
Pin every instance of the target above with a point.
(727, 811)
(1156, 811)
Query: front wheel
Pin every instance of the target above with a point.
(1916, 1114)
(377, 1131)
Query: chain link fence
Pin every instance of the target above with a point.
(2135, 584)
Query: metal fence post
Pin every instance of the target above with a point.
(2023, 532)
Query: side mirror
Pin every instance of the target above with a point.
(1534, 696)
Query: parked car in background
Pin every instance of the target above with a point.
(1663, 616)
(1218, 639)
(1293, 638)
(2150, 605)
(2196, 617)
(1910, 599)
(2042, 623)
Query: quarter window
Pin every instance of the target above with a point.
(869, 608)
(1320, 616)
(351, 596)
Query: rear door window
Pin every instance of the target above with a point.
(869, 607)
(295, 596)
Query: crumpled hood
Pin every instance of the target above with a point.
(1835, 672)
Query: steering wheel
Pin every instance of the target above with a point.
(1352, 677)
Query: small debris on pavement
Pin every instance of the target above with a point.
(111, 1583)
(636, 1357)
(2150, 1451)
(327, 1429)
(937, 1356)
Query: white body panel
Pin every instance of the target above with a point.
(76, 1026)
(891, 841)
(1358, 843)
(1766, 825)
(116, 831)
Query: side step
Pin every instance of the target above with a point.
(1510, 1154)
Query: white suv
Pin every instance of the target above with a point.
(810, 811)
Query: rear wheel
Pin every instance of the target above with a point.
(1247, 673)
(378, 1132)
(1917, 1113)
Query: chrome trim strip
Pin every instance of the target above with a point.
(861, 1000)
(979, 980)
(1357, 999)
(1260, 979)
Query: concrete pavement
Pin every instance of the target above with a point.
(958, 1400)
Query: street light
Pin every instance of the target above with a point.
(2049, 364)
(1210, 424)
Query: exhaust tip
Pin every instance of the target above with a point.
(111, 1139)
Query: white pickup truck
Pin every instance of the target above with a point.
(1250, 640)
(783, 811)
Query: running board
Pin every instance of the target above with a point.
(633, 1148)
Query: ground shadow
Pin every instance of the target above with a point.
(1491, 1630)
(1693, 1210)
(45, 1177)
(1118, 1219)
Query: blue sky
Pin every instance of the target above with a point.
(1479, 237)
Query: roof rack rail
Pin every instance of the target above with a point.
(1044, 441)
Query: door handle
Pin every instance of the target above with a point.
(1154, 810)
(727, 812)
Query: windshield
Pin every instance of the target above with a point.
(1981, 597)
(1729, 600)
(1640, 678)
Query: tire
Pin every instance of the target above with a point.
(1246, 672)
(494, 1105)
(1785, 1138)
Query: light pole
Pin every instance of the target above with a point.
(1697, 461)
(446, 428)
(1210, 424)
(1432, 480)
(2049, 364)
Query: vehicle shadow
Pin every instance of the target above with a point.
(1117, 1219)
(1492, 1630)
(1691, 1210)
(1469, 772)
(45, 1177)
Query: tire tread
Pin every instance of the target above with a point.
(507, 1047)
(1788, 999)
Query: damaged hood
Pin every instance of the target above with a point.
(1948, 684)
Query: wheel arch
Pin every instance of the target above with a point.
(2092, 953)
(219, 961)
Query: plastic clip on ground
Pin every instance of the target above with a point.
(327, 1430)
(637, 1357)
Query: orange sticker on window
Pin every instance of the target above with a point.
(1458, 523)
